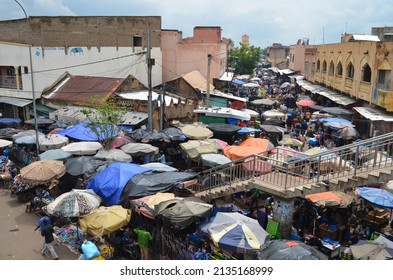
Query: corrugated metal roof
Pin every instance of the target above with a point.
(333, 95)
(73, 114)
(15, 101)
(374, 114)
(82, 89)
(197, 80)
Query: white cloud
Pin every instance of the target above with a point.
(266, 22)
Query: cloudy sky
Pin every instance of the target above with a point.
(266, 22)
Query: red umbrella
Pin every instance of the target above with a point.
(305, 103)
(120, 140)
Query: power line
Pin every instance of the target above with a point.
(89, 63)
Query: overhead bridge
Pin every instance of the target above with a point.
(358, 164)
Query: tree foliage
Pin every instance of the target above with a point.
(245, 58)
(103, 117)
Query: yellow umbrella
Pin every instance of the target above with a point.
(105, 220)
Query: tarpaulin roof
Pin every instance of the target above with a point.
(147, 184)
(182, 212)
(379, 197)
(82, 132)
(110, 182)
(248, 147)
(330, 198)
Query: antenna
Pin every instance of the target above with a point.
(323, 35)
(346, 27)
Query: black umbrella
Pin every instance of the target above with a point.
(273, 129)
(223, 128)
(77, 166)
(281, 249)
(275, 122)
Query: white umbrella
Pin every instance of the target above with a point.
(52, 141)
(212, 160)
(251, 85)
(5, 143)
(114, 154)
(82, 148)
(196, 132)
(137, 149)
(55, 154)
(30, 132)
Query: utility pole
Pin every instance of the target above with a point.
(162, 104)
(30, 32)
(209, 60)
(150, 63)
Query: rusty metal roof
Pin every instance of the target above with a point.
(83, 89)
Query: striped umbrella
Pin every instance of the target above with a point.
(237, 233)
(291, 142)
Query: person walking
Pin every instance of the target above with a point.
(47, 232)
(144, 238)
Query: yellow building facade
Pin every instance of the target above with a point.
(361, 69)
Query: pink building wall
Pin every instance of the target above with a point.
(181, 56)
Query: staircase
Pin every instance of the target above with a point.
(358, 164)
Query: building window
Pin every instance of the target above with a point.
(137, 41)
(324, 66)
(11, 71)
(366, 73)
(312, 68)
(383, 79)
(318, 65)
(331, 68)
(339, 70)
(350, 71)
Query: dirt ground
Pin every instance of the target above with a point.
(18, 240)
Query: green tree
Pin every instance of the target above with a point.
(245, 58)
(103, 117)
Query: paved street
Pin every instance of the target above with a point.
(18, 240)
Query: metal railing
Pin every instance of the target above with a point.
(278, 168)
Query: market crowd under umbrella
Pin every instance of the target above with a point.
(74, 203)
(82, 148)
(282, 249)
(105, 220)
(43, 171)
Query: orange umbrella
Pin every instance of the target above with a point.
(248, 147)
(330, 198)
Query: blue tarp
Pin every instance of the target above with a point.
(83, 133)
(337, 120)
(10, 121)
(110, 182)
(379, 197)
(238, 82)
(245, 130)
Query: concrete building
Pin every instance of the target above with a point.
(277, 55)
(355, 73)
(89, 46)
(184, 55)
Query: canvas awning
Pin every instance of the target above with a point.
(15, 101)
